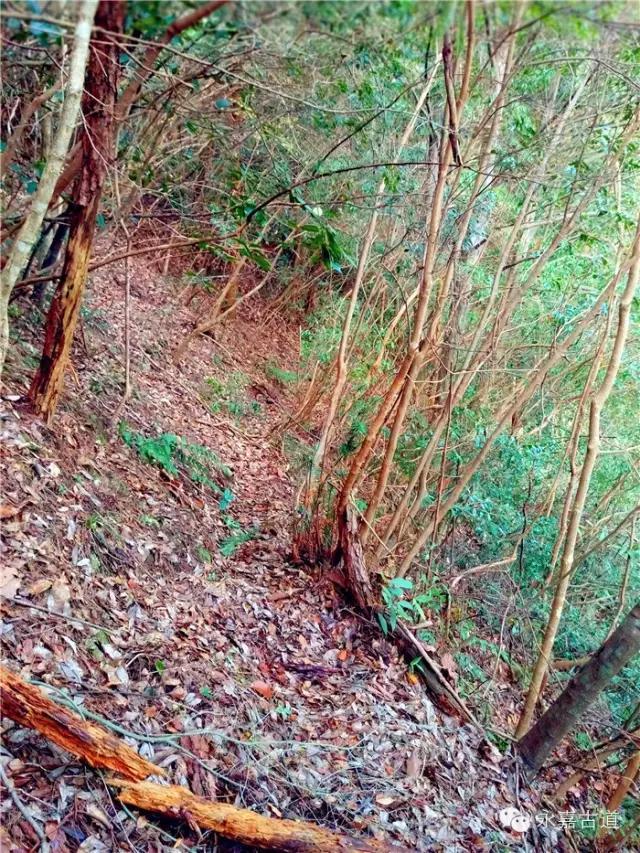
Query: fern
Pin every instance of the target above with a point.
(176, 456)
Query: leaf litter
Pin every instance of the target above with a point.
(241, 674)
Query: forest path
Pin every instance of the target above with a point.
(171, 608)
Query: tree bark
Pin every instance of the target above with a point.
(583, 689)
(97, 151)
(28, 233)
(30, 707)
(50, 260)
(242, 825)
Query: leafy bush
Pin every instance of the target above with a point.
(231, 543)
(232, 395)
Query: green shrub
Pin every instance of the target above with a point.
(177, 457)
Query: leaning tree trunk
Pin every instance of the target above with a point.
(97, 143)
(583, 689)
(28, 233)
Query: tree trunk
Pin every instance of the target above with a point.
(583, 689)
(30, 707)
(97, 147)
(575, 517)
(254, 830)
(49, 261)
(28, 233)
(343, 350)
(629, 775)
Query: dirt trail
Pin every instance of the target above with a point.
(169, 607)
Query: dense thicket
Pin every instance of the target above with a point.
(447, 194)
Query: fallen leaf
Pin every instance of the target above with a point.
(39, 586)
(9, 510)
(10, 581)
(118, 676)
(71, 670)
(111, 651)
(98, 815)
(449, 665)
(58, 600)
(414, 764)
(262, 689)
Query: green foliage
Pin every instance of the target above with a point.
(279, 374)
(203, 554)
(327, 245)
(297, 453)
(177, 457)
(410, 609)
(230, 395)
(584, 742)
(230, 544)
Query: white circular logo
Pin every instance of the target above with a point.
(511, 818)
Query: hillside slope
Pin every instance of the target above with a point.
(147, 557)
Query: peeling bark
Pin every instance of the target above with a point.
(30, 707)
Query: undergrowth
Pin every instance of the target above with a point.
(178, 457)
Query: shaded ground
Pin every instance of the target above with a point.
(164, 603)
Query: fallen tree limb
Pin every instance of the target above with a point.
(444, 694)
(30, 707)
(359, 585)
(495, 566)
(243, 825)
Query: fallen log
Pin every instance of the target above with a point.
(358, 584)
(30, 707)
(442, 692)
(243, 825)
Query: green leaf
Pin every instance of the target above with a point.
(226, 499)
(400, 583)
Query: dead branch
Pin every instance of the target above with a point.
(497, 565)
(243, 825)
(444, 694)
(30, 707)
